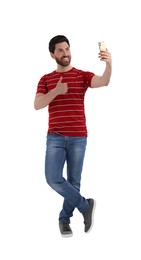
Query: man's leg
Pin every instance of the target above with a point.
(55, 158)
(75, 157)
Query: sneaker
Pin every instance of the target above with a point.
(88, 215)
(65, 229)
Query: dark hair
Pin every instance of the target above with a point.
(55, 40)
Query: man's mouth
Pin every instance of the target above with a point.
(65, 58)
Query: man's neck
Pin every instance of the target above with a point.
(63, 68)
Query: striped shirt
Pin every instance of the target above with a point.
(66, 111)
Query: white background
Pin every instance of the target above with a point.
(28, 207)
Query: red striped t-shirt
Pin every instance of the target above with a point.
(66, 111)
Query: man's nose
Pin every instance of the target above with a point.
(64, 53)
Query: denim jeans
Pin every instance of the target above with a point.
(61, 149)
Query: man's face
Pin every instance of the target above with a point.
(62, 54)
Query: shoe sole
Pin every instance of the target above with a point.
(67, 235)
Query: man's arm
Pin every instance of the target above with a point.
(100, 81)
(42, 100)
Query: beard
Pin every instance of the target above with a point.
(63, 62)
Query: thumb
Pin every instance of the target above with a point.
(59, 81)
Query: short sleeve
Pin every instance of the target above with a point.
(42, 86)
(87, 78)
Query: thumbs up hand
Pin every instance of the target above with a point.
(61, 88)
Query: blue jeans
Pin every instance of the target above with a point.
(61, 149)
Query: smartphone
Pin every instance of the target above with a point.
(102, 46)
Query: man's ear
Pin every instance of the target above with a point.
(52, 55)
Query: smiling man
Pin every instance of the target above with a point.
(63, 91)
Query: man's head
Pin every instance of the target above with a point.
(59, 48)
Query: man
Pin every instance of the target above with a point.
(63, 91)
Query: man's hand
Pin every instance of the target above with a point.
(61, 88)
(105, 56)
(100, 81)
